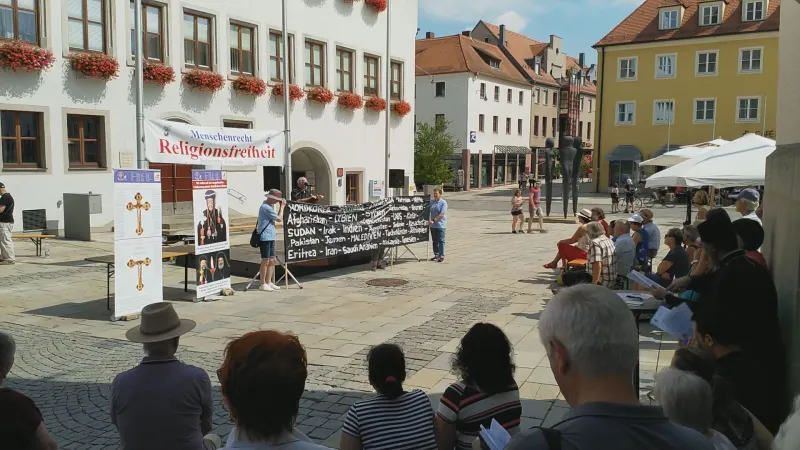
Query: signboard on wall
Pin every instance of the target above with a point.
(137, 240)
(212, 231)
(377, 188)
(180, 143)
(473, 137)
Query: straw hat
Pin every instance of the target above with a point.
(160, 323)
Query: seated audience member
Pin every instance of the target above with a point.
(751, 236)
(687, 400)
(601, 263)
(21, 423)
(162, 403)
(730, 418)
(754, 386)
(393, 416)
(641, 239)
(487, 390)
(572, 252)
(747, 204)
(593, 366)
(690, 238)
(262, 377)
(599, 216)
(675, 264)
(788, 437)
(625, 248)
(653, 233)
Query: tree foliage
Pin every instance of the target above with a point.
(433, 146)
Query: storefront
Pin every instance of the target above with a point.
(623, 163)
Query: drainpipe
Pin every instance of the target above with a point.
(600, 118)
(388, 85)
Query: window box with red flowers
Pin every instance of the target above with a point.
(249, 85)
(401, 108)
(204, 80)
(376, 104)
(295, 93)
(351, 101)
(378, 5)
(19, 55)
(158, 73)
(95, 65)
(320, 95)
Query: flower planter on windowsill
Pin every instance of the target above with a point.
(320, 95)
(157, 73)
(94, 65)
(250, 85)
(350, 101)
(401, 108)
(204, 80)
(295, 93)
(20, 55)
(378, 5)
(375, 104)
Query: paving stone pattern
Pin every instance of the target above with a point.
(69, 375)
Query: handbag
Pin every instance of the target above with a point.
(255, 238)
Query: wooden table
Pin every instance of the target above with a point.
(650, 306)
(37, 240)
(166, 253)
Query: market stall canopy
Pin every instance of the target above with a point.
(680, 155)
(624, 153)
(738, 163)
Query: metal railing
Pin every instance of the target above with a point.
(237, 195)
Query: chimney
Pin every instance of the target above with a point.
(582, 59)
(465, 33)
(429, 35)
(502, 35)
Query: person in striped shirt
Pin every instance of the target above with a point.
(487, 390)
(393, 419)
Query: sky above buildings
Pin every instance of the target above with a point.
(580, 23)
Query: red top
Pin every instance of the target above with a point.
(605, 225)
(757, 257)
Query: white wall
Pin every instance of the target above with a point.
(453, 105)
(487, 140)
(789, 100)
(348, 140)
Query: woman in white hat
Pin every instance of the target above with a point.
(569, 252)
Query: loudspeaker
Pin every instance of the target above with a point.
(397, 178)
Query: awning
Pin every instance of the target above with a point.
(664, 149)
(624, 153)
(511, 149)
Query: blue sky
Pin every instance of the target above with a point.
(580, 23)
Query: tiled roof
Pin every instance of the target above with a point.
(457, 54)
(642, 24)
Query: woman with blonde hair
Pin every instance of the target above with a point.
(516, 211)
(700, 201)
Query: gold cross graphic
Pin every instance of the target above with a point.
(138, 264)
(138, 206)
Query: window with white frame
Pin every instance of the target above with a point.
(750, 60)
(663, 111)
(754, 10)
(710, 14)
(626, 113)
(582, 103)
(704, 110)
(707, 63)
(749, 108)
(536, 94)
(627, 69)
(665, 66)
(546, 96)
(669, 19)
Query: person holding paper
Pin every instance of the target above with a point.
(675, 264)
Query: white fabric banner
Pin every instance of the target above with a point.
(180, 143)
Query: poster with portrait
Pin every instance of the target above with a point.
(137, 240)
(212, 233)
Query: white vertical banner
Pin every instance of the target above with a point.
(137, 240)
(212, 231)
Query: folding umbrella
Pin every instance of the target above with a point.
(680, 155)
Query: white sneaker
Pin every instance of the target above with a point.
(274, 287)
(265, 287)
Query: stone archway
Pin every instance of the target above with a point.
(307, 158)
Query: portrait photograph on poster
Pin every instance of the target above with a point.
(213, 273)
(210, 205)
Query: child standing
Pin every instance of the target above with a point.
(614, 190)
(516, 211)
(535, 206)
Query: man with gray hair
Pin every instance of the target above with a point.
(593, 347)
(624, 247)
(688, 400)
(21, 424)
(303, 192)
(747, 204)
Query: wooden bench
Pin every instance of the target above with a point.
(37, 240)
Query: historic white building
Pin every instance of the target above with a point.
(63, 132)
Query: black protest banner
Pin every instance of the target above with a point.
(318, 231)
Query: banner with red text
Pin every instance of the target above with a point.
(181, 143)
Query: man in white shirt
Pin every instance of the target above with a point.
(747, 204)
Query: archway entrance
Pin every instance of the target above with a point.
(310, 163)
(176, 185)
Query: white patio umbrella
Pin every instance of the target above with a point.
(741, 162)
(680, 155)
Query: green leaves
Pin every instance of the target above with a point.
(433, 148)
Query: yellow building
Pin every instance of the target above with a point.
(680, 72)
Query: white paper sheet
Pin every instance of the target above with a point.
(496, 437)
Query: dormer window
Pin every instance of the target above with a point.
(537, 65)
(494, 63)
(754, 10)
(670, 18)
(710, 14)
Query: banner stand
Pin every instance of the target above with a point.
(256, 277)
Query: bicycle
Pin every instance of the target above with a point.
(656, 197)
(635, 206)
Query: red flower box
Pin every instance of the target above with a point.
(95, 65)
(204, 80)
(250, 85)
(379, 5)
(401, 108)
(320, 95)
(376, 104)
(295, 93)
(349, 100)
(158, 73)
(19, 55)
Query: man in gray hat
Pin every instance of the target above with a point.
(162, 403)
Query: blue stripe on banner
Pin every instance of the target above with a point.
(207, 175)
(137, 176)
